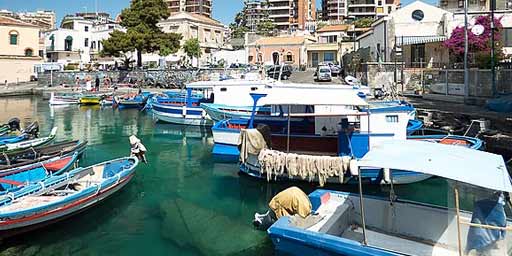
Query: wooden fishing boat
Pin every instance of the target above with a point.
(90, 99)
(60, 196)
(131, 100)
(107, 101)
(42, 153)
(14, 177)
(23, 145)
(356, 224)
(64, 99)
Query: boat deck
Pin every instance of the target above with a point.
(398, 244)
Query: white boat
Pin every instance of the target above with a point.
(357, 224)
(64, 99)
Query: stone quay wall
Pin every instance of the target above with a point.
(157, 78)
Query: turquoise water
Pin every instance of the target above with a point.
(181, 203)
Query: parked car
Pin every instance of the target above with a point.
(323, 73)
(273, 72)
(335, 69)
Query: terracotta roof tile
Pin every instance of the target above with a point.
(8, 21)
(332, 28)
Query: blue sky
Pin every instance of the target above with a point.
(223, 10)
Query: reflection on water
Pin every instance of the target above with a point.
(181, 203)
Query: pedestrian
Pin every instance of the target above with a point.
(6, 84)
(88, 84)
(97, 82)
(77, 82)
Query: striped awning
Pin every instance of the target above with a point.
(409, 40)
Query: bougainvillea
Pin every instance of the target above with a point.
(479, 45)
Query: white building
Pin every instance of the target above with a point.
(78, 40)
(418, 29)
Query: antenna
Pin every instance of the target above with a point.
(96, 5)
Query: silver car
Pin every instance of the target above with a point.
(323, 73)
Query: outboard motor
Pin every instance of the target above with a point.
(32, 130)
(14, 124)
(266, 132)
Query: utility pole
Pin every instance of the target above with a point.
(493, 65)
(466, 46)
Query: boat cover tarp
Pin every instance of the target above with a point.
(470, 166)
(487, 212)
(289, 202)
(308, 96)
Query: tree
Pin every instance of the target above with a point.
(479, 46)
(118, 45)
(192, 48)
(363, 22)
(265, 28)
(143, 34)
(238, 31)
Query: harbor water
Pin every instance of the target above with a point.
(182, 202)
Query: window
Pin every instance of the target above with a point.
(93, 44)
(68, 43)
(13, 37)
(29, 52)
(223, 89)
(289, 57)
(86, 42)
(392, 118)
(41, 53)
(389, 9)
(86, 28)
(507, 37)
(379, 3)
(251, 58)
(110, 27)
(329, 57)
(417, 54)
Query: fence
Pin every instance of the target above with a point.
(434, 80)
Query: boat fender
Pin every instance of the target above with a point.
(387, 175)
(345, 162)
(203, 114)
(354, 168)
(118, 176)
(184, 111)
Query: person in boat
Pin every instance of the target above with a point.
(289, 202)
(138, 149)
(97, 83)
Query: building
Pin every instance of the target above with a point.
(332, 42)
(44, 19)
(480, 5)
(255, 11)
(203, 7)
(18, 50)
(339, 10)
(288, 50)
(417, 30)
(79, 39)
(293, 15)
(210, 33)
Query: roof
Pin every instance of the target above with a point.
(280, 40)
(333, 28)
(196, 17)
(457, 163)
(312, 96)
(8, 21)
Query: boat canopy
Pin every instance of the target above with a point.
(229, 82)
(457, 163)
(312, 96)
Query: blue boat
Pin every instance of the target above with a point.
(60, 196)
(356, 224)
(131, 100)
(19, 176)
(179, 110)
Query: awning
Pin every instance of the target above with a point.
(409, 40)
(457, 163)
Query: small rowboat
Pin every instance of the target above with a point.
(23, 145)
(61, 196)
(15, 177)
(90, 100)
(64, 99)
(131, 100)
(38, 154)
(107, 101)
